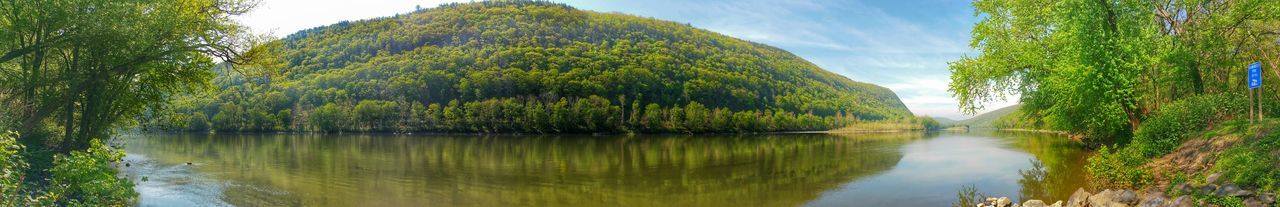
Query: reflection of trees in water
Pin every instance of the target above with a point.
(1034, 183)
(968, 196)
(772, 170)
(1055, 173)
(1057, 170)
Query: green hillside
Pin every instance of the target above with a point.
(529, 67)
(989, 119)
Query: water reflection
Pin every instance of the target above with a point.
(931, 171)
(386, 170)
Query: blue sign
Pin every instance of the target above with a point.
(1255, 75)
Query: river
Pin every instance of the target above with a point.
(874, 169)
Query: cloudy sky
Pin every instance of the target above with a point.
(902, 45)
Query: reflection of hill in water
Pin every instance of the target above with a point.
(362, 170)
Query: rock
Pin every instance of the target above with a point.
(1127, 197)
(1213, 178)
(1267, 198)
(1056, 204)
(1033, 203)
(1106, 198)
(1254, 202)
(1153, 199)
(1182, 201)
(1183, 188)
(1208, 189)
(1078, 199)
(1003, 202)
(1233, 190)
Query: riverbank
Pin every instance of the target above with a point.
(1227, 163)
(1214, 191)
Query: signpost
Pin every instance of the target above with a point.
(1255, 75)
(1255, 81)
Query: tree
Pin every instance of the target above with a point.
(1098, 67)
(88, 66)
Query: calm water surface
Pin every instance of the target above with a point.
(911, 169)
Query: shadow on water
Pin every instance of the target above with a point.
(399, 170)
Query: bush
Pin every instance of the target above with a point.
(1119, 167)
(89, 179)
(11, 169)
(1164, 130)
(77, 179)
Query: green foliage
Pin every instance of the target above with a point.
(1253, 163)
(1219, 200)
(80, 178)
(1119, 167)
(1164, 130)
(1097, 68)
(12, 167)
(80, 69)
(537, 67)
(89, 178)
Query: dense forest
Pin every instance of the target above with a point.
(525, 66)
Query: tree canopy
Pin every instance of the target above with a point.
(1099, 67)
(73, 71)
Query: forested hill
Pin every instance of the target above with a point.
(528, 67)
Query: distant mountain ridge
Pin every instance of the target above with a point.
(987, 120)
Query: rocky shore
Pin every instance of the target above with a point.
(1186, 196)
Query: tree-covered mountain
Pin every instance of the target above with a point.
(989, 119)
(524, 66)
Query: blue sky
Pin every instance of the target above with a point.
(901, 45)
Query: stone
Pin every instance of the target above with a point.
(1033, 203)
(1056, 204)
(1127, 197)
(1079, 198)
(1153, 199)
(1267, 198)
(1213, 178)
(1182, 201)
(1208, 189)
(1003, 202)
(1106, 198)
(1233, 190)
(1183, 188)
(1254, 202)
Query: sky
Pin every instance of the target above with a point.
(901, 45)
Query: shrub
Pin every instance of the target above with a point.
(1119, 167)
(89, 179)
(1164, 130)
(11, 169)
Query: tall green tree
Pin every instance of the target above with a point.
(1097, 67)
(87, 66)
